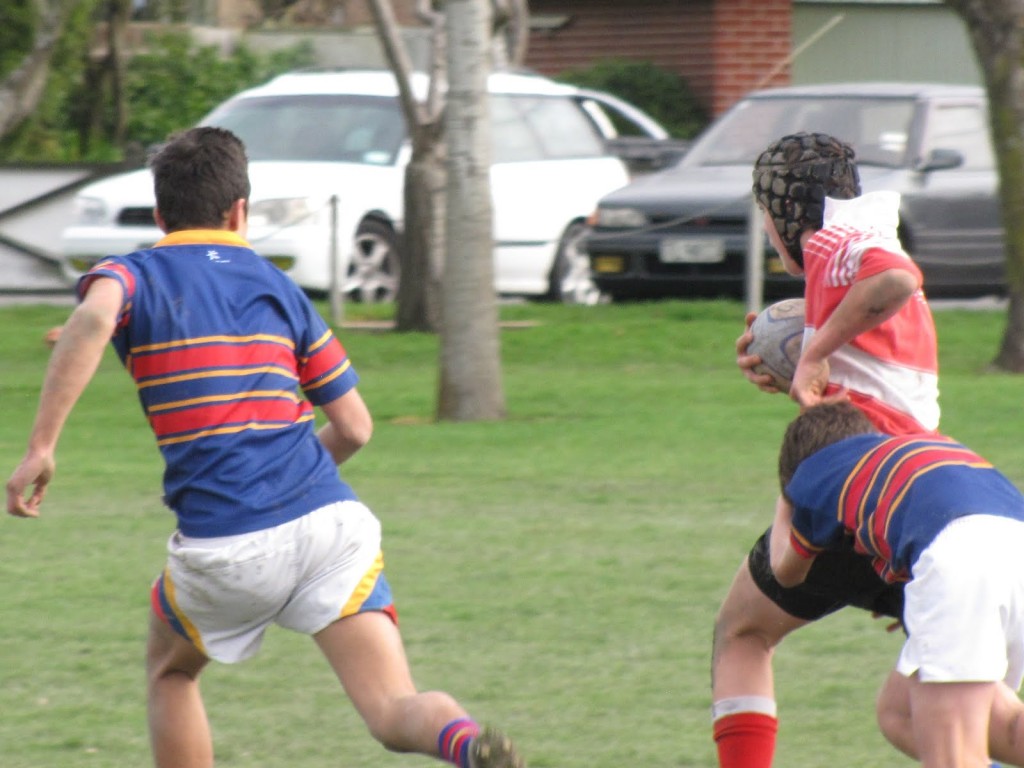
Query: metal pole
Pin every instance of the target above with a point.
(755, 259)
(337, 294)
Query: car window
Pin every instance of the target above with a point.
(877, 128)
(615, 118)
(964, 128)
(330, 128)
(526, 128)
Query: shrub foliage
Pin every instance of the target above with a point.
(17, 29)
(168, 86)
(664, 95)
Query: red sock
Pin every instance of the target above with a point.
(746, 740)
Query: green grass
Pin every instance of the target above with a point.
(558, 572)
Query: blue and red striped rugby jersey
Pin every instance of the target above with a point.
(229, 357)
(893, 495)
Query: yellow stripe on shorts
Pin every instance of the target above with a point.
(364, 587)
(188, 626)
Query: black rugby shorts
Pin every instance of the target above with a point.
(836, 579)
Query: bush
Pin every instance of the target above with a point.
(17, 30)
(168, 87)
(663, 94)
(47, 135)
(175, 84)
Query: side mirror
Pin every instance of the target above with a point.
(940, 160)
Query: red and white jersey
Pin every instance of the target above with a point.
(892, 369)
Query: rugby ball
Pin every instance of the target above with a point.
(778, 335)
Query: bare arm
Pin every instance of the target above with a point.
(349, 426)
(72, 365)
(789, 567)
(870, 302)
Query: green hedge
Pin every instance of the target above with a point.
(18, 21)
(664, 95)
(169, 86)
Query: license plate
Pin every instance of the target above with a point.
(609, 264)
(677, 250)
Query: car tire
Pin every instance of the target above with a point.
(570, 280)
(373, 269)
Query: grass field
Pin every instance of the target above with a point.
(558, 572)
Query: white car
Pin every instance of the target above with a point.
(329, 146)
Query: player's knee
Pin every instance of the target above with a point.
(744, 628)
(747, 614)
(730, 631)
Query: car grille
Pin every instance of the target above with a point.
(136, 217)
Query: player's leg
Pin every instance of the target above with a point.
(754, 618)
(366, 652)
(178, 728)
(950, 722)
(892, 711)
(747, 629)
(965, 633)
(1005, 730)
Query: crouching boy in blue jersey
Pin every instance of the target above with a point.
(934, 514)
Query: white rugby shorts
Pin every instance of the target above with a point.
(965, 605)
(222, 593)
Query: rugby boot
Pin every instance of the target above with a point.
(493, 749)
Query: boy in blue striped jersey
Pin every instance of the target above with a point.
(934, 514)
(230, 359)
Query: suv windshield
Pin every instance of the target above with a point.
(322, 128)
(877, 128)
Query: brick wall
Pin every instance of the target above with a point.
(673, 34)
(722, 48)
(752, 43)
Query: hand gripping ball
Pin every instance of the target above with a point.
(778, 336)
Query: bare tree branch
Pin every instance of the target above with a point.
(428, 13)
(510, 33)
(398, 59)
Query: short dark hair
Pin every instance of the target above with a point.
(816, 428)
(197, 176)
(794, 175)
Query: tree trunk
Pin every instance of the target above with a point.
(421, 250)
(119, 13)
(423, 237)
(1011, 351)
(996, 35)
(470, 387)
(21, 90)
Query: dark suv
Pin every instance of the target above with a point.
(685, 231)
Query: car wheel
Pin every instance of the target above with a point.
(570, 275)
(373, 268)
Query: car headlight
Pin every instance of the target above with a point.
(282, 212)
(621, 218)
(90, 211)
